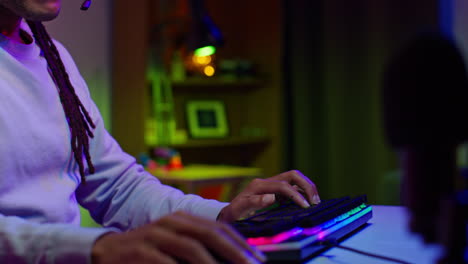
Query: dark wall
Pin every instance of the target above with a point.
(335, 54)
(303, 66)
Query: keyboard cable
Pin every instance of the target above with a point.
(334, 243)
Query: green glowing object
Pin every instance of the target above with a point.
(205, 51)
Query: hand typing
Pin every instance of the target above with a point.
(260, 193)
(178, 236)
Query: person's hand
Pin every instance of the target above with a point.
(261, 193)
(176, 237)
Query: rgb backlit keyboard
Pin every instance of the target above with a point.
(287, 233)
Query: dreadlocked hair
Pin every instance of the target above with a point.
(78, 119)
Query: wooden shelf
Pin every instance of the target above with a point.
(250, 102)
(216, 83)
(224, 142)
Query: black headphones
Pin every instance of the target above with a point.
(86, 4)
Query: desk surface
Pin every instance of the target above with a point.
(387, 234)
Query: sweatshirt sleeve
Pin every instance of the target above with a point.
(23, 241)
(122, 194)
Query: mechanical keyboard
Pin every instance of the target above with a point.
(288, 233)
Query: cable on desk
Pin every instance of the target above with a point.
(335, 244)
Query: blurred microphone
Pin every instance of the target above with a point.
(425, 94)
(86, 4)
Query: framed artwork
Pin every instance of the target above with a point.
(207, 119)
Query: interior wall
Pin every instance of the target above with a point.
(460, 31)
(306, 123)
(460, 25)
(87, 36)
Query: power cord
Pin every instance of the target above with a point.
(334, 243)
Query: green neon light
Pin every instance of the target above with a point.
(205, 51)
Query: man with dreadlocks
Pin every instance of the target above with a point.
(56, 154)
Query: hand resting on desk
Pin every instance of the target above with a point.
(190, 238)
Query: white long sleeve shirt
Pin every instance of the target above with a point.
(39, 180)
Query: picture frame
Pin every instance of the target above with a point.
(207, 119)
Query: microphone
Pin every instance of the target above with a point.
(86, 4)
(425, 93)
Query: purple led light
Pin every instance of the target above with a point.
(322, 235)
(287, 235)
(312, 231)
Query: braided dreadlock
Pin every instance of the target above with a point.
(78, 118)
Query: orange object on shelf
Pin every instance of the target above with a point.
(175, 163)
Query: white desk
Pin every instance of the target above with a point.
(386, 235)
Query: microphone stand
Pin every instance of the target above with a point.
(453, 231)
